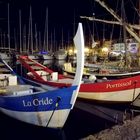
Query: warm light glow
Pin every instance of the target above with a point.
(70, 51)
(75, 51)
(105, 49)
(86, 50)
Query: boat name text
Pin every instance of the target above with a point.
(125, 84)
(37, 102)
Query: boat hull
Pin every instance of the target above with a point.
(109, 76)
(47, 109)
(120, 96)
(122, 90)
(40, 118)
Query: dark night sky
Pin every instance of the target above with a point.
(62, 14)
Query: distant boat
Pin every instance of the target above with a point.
(36, 103)
(5, 53)
(46, 62)
(42, 74)
(46, 52)
(99, 72)
(45, 55)
(60, 54)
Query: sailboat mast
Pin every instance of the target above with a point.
(62, 44)
(93, 28)
(124, 30)
(45, 43)
(15, 40)
(36, 40)
(20, 31)
(1, 42)
(30, 34)
(4, 41)
(47, 28)
(139, 16)
(54, 42)
(24, 39)
(128, 28)
(8, 30)
(31, 30)
(39, 42)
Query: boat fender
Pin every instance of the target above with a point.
(92, 78)
(2, 91)
(104, 79)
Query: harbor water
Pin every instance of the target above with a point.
(78, 125)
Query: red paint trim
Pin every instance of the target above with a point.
(25, 62)
(111, 86)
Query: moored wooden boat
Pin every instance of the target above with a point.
(109, 74)
(43, 74)
(114, 91)
(36, 103)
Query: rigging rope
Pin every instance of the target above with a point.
(56, 106)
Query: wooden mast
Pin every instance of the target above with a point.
(127, 27)
(124, 30)
(135, 26)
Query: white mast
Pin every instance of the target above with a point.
(62, 43)
(30, 34)
(1, 42)
(47, 29)
(45, 43)
(36, 39)
(31, 30)
(24, 39)
(15, 40)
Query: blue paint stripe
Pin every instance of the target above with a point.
(45, 101)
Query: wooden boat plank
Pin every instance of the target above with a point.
(30, 62)
(1, 65)
(64, 81)
(36, 67)
(4, 70)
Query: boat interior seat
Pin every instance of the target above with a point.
(68, 66)
(19, 90)
(44, 75)
(54, 76)
(36, 67)
(8, 80)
